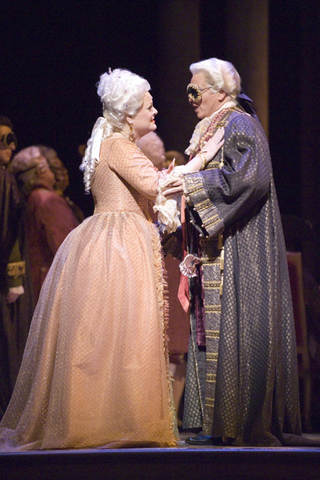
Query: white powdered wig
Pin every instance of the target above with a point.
(25, 159)
(122, 94)
(220, 74)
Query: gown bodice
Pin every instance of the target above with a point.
(124, 179)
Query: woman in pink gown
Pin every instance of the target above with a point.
(95, 370)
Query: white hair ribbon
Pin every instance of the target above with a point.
(96, 137)
(92, 153)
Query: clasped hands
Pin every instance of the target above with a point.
(197, 163)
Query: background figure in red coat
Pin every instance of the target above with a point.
(179, 322)
(49, 217)
(61, 178)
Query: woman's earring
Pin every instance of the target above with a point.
(132, 136)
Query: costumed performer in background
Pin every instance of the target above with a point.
(49, 219)
(16, 304)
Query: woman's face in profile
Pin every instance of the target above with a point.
(144, 120)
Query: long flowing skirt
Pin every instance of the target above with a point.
(95, 368)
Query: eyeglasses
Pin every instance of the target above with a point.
(9, 140)
(195, 93)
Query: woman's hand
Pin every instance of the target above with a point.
(174, 188)
(213, 145)
(209, 150)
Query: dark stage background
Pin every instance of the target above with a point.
(52, 54)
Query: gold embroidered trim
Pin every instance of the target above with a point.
(211, 378)
(221, 124)
(212, 165)
(194, 190)
(219, 121)
(211, 221)
(213, 333)
(16, 269)
(206, 261)
(211, 285)
(212, 356)
(213, 308)
(209, 402)
(203, 205)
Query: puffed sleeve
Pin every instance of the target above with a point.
(220, 196)
(127, 160)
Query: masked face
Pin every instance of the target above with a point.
(202, 97)
(8, 143)
(195, 94)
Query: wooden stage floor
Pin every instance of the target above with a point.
(184, 462)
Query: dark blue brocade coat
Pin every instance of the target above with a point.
(243, 384)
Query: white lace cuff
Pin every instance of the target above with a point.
(168, 208)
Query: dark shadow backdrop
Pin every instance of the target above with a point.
(52, 54)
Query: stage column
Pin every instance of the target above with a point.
(178, 46)
(248, 47)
